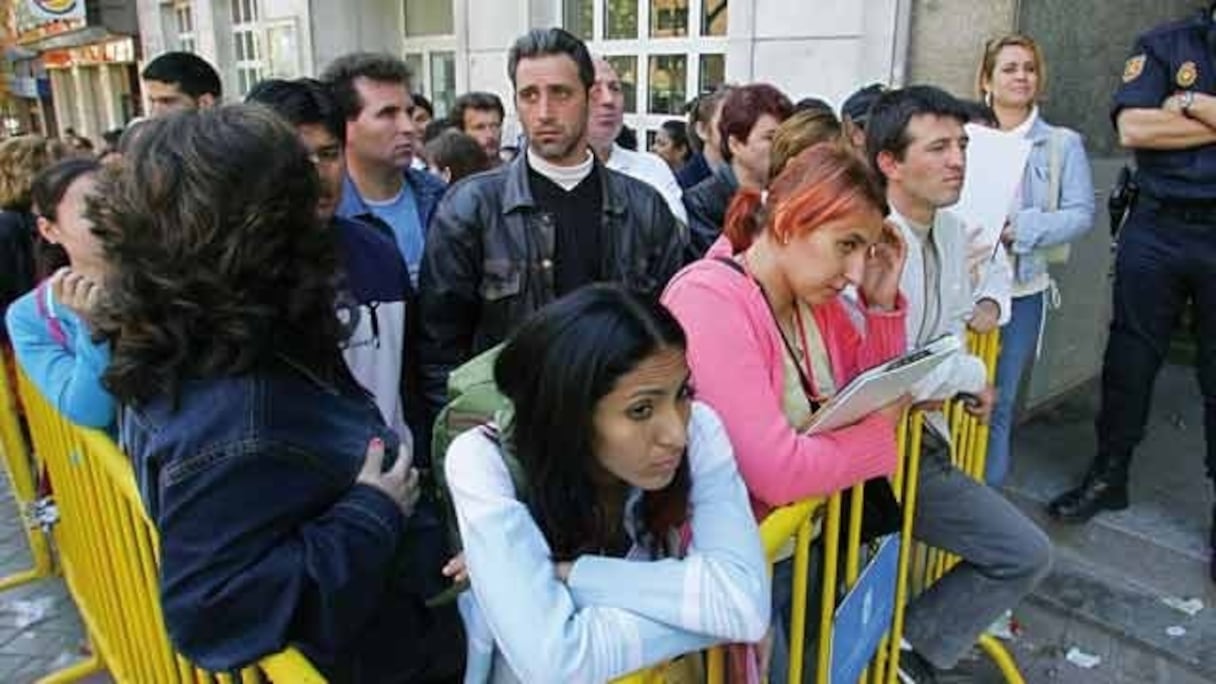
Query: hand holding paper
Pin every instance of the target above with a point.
(995, 163)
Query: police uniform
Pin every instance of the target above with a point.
(1166, 257)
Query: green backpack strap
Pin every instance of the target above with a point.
(473, 402)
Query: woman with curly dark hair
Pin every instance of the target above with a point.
(261, 461)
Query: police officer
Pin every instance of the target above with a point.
(1165, 111)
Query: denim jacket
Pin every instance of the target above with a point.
(1035, 228)
(266, 538)
(427, 189)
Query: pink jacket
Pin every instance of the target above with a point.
(735, 353)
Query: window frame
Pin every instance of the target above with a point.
(425, 48)
(249, 33)
(692, 46)
(187, 38)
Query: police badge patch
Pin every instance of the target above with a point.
(1133, 68)
(1187, 74)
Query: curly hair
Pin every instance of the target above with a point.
(21, 159)
(218, 262)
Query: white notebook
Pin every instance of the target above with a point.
(882, 385)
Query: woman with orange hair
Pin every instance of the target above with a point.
(770, 338)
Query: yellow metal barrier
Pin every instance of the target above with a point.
(919, 566)
(109, 552)
(19, 465)
(969, 450)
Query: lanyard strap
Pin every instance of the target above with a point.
(804, 378)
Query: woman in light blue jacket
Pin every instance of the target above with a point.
(1053, 207)
(605, 526)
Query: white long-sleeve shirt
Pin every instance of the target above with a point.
(653, 171)
(613, 616)
(941, 299)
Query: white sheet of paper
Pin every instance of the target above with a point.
(995, 163)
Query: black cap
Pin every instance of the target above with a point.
(857, 107)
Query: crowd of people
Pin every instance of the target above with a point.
(264, 303)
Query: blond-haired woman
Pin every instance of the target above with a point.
(21, 158)
(1053, 207)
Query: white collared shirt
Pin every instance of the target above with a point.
(653, 171)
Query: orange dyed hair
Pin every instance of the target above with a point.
(823, 183)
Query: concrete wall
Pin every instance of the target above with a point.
(152, 31)
(492, 27)
(340, 27)
(947, 40)
(1086, 43)
(826, 48)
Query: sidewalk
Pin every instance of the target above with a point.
(40, 630)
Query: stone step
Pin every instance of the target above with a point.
(1132, 545)
(1127, 625)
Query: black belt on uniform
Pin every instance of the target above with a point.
(1186, 210)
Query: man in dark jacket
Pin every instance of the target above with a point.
(505, 243)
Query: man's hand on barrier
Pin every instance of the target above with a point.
(75, 291)
(980, 404)
(986, 317)
(399, 483)
(456, 570)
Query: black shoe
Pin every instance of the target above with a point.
(1099, 492)
(914, 669)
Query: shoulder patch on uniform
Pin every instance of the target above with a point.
(1187, 74)
(1133, 68)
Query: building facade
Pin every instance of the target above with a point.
(667, 51)
(71, 65)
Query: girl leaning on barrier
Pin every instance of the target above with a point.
(770, 338)
(50, 326)
(286, 509)
(628, 540)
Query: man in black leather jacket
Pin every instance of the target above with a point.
(504, 243)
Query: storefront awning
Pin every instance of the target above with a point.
(88, 35)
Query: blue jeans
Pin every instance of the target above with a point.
(1019, 338)
(1004, 555)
